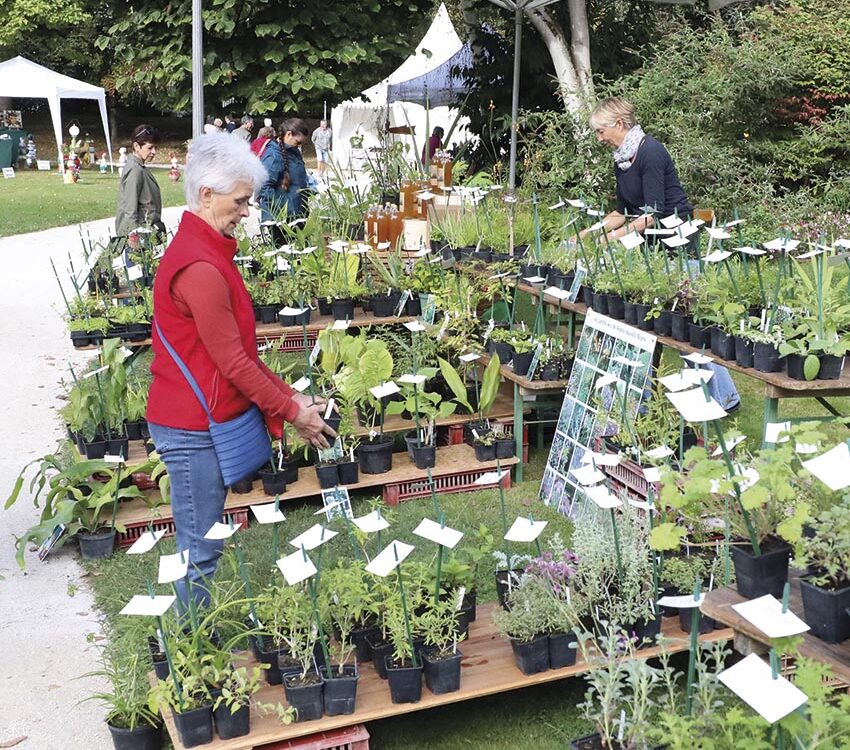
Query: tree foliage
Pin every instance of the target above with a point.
(260, 56)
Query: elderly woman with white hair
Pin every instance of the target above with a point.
(205, 369)
(646, 175)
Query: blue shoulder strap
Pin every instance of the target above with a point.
(185, 370)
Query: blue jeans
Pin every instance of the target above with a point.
(197, 502)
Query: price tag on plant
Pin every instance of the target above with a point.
(148, 606)
(267, 513)
(146, 542)
(314, 354)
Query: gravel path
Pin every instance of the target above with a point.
(48, 624)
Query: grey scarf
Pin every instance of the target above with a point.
(625, 154)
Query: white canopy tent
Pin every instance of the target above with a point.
(22, 78)
(384, 106)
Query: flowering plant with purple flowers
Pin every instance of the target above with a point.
(557, 569)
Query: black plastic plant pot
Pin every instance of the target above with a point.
(663, 324)
(230, 724)
(616, 307)
(413, 306)
(698, 336)
(333, 421)
(470, 602)
(274, 482)
(766, 357)
(342, 309)
(744, 352)
(324, 306)
(794, 363)
(485, 256)
(143, 737)
(360, 638)
(644, 632)
(521, 362)
(328, 475)
(587, 295)
(95, 448)
(405, 681)
(588, 742)
(119, 446)
(290, 469)
(305, 696)
(520, 251)
(97, 546)
(830, 367)
(268, 313)
(757, 575)
(137, 332)
(442, 674)
(376, 457)
(340, 693)
(195, 727)
(563, 650)
(722, 344)
(599, 303)
(380, 650)
(133, 430)
(505, 582)
(825, 611)
(242, 487)
(629, 313)
(642, 322)
(504, 350)
(550, 371)
(704, 624)
(159, 659)
(349, 472)
(384, 305)
(424, 456)
(679, 327)
(485, 452)
(531, 656)
(505, 447)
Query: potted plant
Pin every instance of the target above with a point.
(525, 623)
(132, 725)
(826, 589)
(231, 705)
(392, 279)
(187, 697)
(403, 665)
(440, 656)
(426, 407)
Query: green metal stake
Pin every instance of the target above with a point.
(692, 651)
(442, 519)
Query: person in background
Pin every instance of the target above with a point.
(230, 123)
(204, 312)
(283, 197)
(244, 130)
(218, 124)
(208, 126)
(139, 199)
(646, 176)
(264, 136)
(435, 143)
(323, 141)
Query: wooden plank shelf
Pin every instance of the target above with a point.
(487, 668)
(456, 471)
(718, 605)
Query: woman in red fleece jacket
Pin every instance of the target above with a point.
(203, 309)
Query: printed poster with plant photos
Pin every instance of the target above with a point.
(607, 347)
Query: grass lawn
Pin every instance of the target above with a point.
(40, 200)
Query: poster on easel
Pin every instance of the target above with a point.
(612, 369)
(11, 119)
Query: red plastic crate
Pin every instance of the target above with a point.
(135, 530)
(454, 436)
(348, 738)
(294, 342)
(462, 481)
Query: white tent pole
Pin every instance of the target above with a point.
(515, 96)
(197, 69)
(101, 103)
(53, 102)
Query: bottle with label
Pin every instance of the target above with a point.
(396, 227)
(381, 225)
(407, 198)
(424, 186)
(368, 221)
(447, 172)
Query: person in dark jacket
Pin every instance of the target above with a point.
(283, 197)
(646, 175)
(139, 199)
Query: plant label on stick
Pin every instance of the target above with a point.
(96, 372)
(694, 407)
(675, 241)
(752, 681)
(434, 532)
(469, 357)
(134, 273)
(411, 379)
(556, 292)
(766, 614)
(48, 544)
(661, 452)
(414, 326)
(587, 475)
(389, 558)
(603, 497)
(341, 325)
(384, 390)
(491, 477)
(525, 529)
(685, 601)
(148, 606)
(330, 408)
(222, 530)
(631, 240)
(146, 542)
(535, 361)
(268, 513)
(371, 522)
(296, 567)
(832, 467)
(730, 444)
(405, 296)
(601, 459)
(301, 385)
(652, 474)
(314, 353)
(173, 567)
(290, 311)
(314, 537)
(782, 244)
(777, 432)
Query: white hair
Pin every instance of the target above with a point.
(218, 162)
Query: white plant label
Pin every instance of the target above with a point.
(389, 558)
(222, 531)
(382, 391)
(442, 535)
(371, 522)
(148, 606)
(314, 537)
(341, 325)
(694, 407)
(751, 680)
(267, 513)
(766, 614)
(301, 385)
(490, 477)
(173, 567)
(296, 567)
(832, 467)
(524, 529)
(146, 542)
